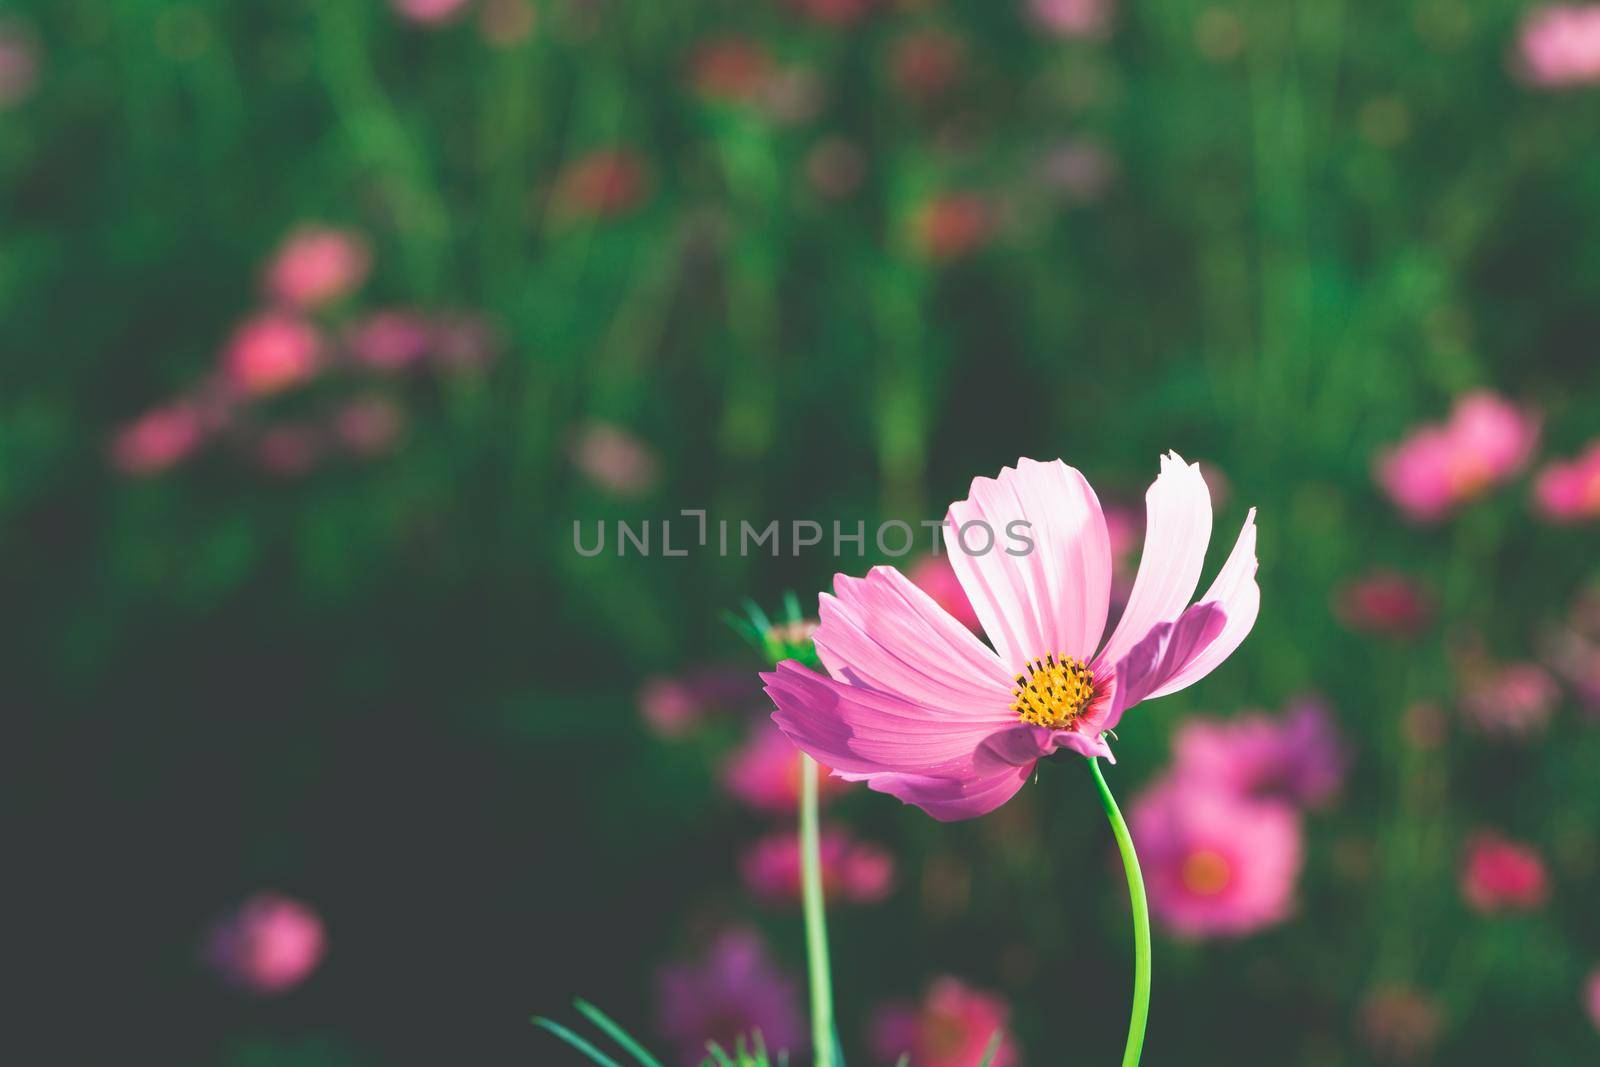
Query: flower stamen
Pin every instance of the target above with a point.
(1054, 692)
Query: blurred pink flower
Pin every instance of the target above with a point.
(1502, 875)
(764, 772)
(429, 12)
(369, 426)
(603, 184)
(464, 342)
(1295, 757)
(1441, 466)
(1399, 1023)
(951, 225)
(918, 707)
(504, 23)
(952, 1027)
(732, 990)
(1573, 648)
(672, 707)
(1560, 45)
(926, 63)
(614, 459)
(1216, 864)
(269, 945)
(157, 439)
(1384, 602)
(316, 265)
(391, 340)
(1080, 171)
(1592, 997)
(1072, 18)
(19, 64)
(1512, 699)
(836, 167)
(853, 872)
(270, 353)
(1569, 491)
(730, 69)
(288, 450)
(935, 576)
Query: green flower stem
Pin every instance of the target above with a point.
(816, 918)
(1141, 920)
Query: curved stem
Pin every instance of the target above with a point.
(1141, 920)
(816, 918)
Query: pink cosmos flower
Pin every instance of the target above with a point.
(1573, 648)
(1593, 997)
(614, 459)
(1560, 45)
(270, 353)
(733, 990)
(853, 872)
(19, 64)
(157, 439)
(1444, 465)
(1216, 864)
(1399, 1023)
(1515, 699)
(952, 225)
(672, 707)
(1384, 602)
(369, 426)
(603, 184)
(1072, 18)
(428, 12)
(764, 773)
(1502, 875)
(730, 69)
(269, 945)
(935, 576)
(289, 450)
(952, 1027)
(916, 706)
(1570, 491)
(391, 340)
(317, 265)
(1295, 757)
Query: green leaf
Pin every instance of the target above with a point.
(720, 1056)
(616, 1033)
(576, 1042)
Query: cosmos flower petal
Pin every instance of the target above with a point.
(1165, 651)
(1177, 531)
(1235, 591)
(860, 732)
(883, 633)
(1052, 598)
(955, 798)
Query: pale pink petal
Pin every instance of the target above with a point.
(1177, 531)
(951, 799)
(1052, 598)
(884, 633)
(859, 732)
(1235, 591)
(1166, 650)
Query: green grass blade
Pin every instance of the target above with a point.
(576, 1042)
(720, 1056)
(616, 1033)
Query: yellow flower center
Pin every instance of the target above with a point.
(1053, 692)
(1205, 873)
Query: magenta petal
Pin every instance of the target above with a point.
(859, 732)
(884, 633)
(1177, 531)
(951, 799)
(1052, 598)
(1165, 651)
(1237, 593)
